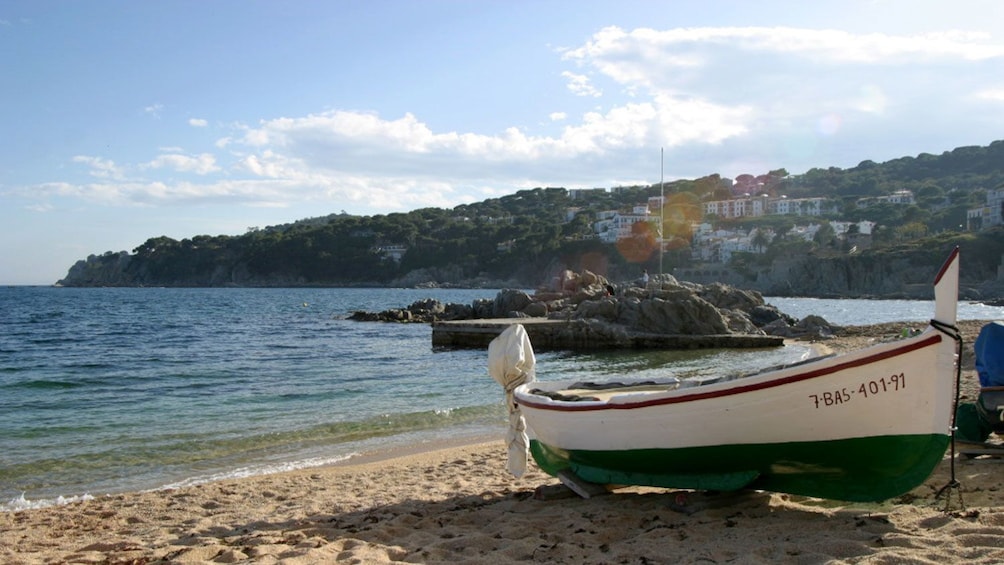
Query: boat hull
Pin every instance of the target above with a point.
(859, 469)
(863, 427)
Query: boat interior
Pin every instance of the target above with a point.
(588, 391)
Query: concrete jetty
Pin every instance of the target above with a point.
(551, 334)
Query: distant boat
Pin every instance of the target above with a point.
(863, 426)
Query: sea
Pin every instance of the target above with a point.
(110, 390)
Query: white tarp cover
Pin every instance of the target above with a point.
(511, 363)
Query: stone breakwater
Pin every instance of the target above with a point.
(624, 314)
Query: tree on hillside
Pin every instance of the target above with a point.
(825, 236)
(760, 240)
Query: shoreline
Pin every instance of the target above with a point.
(453, 501)
(372, 454)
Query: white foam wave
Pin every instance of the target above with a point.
(257, 470)
(22, 503)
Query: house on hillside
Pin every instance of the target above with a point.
(864, 227)
(900, 197)
(717, 246)
(989, 215)
(576, 193)
(614, 225)
(392, 252)
(799, 206)
(754, 206)
(749, 207)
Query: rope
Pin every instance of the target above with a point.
(953, 483)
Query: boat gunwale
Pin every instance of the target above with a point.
(764, 381)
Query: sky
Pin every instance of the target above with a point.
(122, 120)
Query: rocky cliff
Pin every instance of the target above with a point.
(905, 274)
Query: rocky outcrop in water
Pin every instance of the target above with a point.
(662, 306)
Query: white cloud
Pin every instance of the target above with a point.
(727, 100)
(197, 122)
(614, 51)
(202, 164)
(154, 110)
(101, 168)
(580, 85)
(268, 165)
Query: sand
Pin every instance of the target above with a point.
(459, 505)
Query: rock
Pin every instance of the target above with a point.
(364, 316)
(603, 309)
(547, 296)
(397, 315)
(426, 308)
(508, 301)
(740, 323)
(765, 314)
(588, 293)
(665, 307)
(695, 317)
(779, 327)
(664, 280)
(808, 328)
(483, 308)
(814, 327)
(633, 292)
(724, 296)
(454, 311)
(536, 310)
(589, 278)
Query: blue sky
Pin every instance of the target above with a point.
(125, 120)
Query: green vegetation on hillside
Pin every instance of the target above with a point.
(524, 238)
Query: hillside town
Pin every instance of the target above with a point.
(874, 233)
(710, 244)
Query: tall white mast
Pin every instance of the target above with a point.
(662, 206)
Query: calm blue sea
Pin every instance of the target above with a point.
(106, 390)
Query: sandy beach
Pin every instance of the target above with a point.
(459, 505)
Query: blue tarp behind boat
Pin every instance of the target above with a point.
(989, 350)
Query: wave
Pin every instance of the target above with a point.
(123, 464)
(43, 384)
(22, 503)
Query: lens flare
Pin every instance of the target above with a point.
(640, 245)
(677, 218)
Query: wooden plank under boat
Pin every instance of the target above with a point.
(863, 426)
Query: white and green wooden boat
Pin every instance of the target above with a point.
(863, 426)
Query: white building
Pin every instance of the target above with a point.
(989, 215)
(865, 227)
(717, 246)
(900, 197)
(395, 252)
(798, 206)
(756, 206)
(615, 225)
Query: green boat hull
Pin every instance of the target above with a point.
(860, 469)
